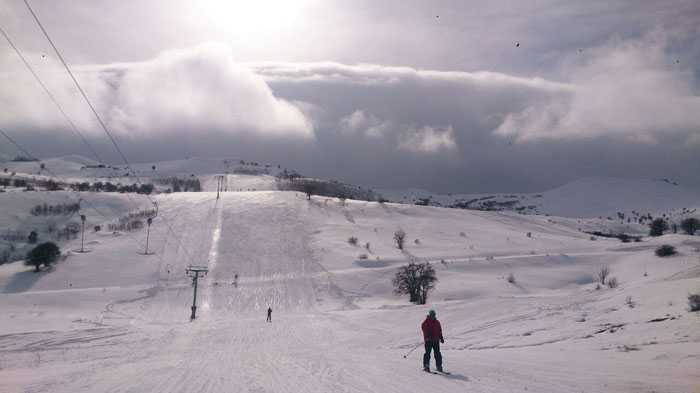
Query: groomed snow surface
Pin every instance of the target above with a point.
(114, 320)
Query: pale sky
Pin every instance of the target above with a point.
(451, 96)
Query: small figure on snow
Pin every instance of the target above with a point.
(432, 337)
(269, 314)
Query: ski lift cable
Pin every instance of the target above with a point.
(51, 96)
(97, 116)
(77, 85)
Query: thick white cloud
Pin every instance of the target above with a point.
(428, 140)
(196, 90)
(365, 124)
(372, 74)
(626, 89)
(422, 140)
(202, 89)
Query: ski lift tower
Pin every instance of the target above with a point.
(149, 221)
(195, 272)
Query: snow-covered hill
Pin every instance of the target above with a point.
(587, 197)
(115, 320)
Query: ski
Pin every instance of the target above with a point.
(443, 372)
(437, 372)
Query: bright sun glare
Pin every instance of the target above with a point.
(252, 16)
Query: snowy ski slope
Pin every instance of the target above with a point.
(113, 320)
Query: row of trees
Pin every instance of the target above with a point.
(689, 225)
(333, 189)
(6, 182)
(177, 184)
(63, 209)
(51, 185)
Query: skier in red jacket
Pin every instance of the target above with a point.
(432, 337)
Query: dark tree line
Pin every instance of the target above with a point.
(177, 184)
(332, 188)
(64, 209)
(659, 225)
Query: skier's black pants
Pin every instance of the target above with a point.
(269, 317)
(432, 346)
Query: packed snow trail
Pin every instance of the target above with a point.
(273, 258)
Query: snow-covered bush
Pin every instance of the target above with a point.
(612, 282)
(352, 240)
(665, 250)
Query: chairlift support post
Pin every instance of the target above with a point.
(195, 272)
(149, 221)
(82, 236)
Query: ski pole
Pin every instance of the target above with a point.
(411, 351)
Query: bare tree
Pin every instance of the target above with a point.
(309, 187)
(415, 280)
(400, 238)
(603, 274)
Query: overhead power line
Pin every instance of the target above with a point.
(80, 89)
(51, 96)
(99, 119)
(54, 175)
(17, 145)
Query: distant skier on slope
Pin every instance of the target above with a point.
(269, 314)
(432, 337)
